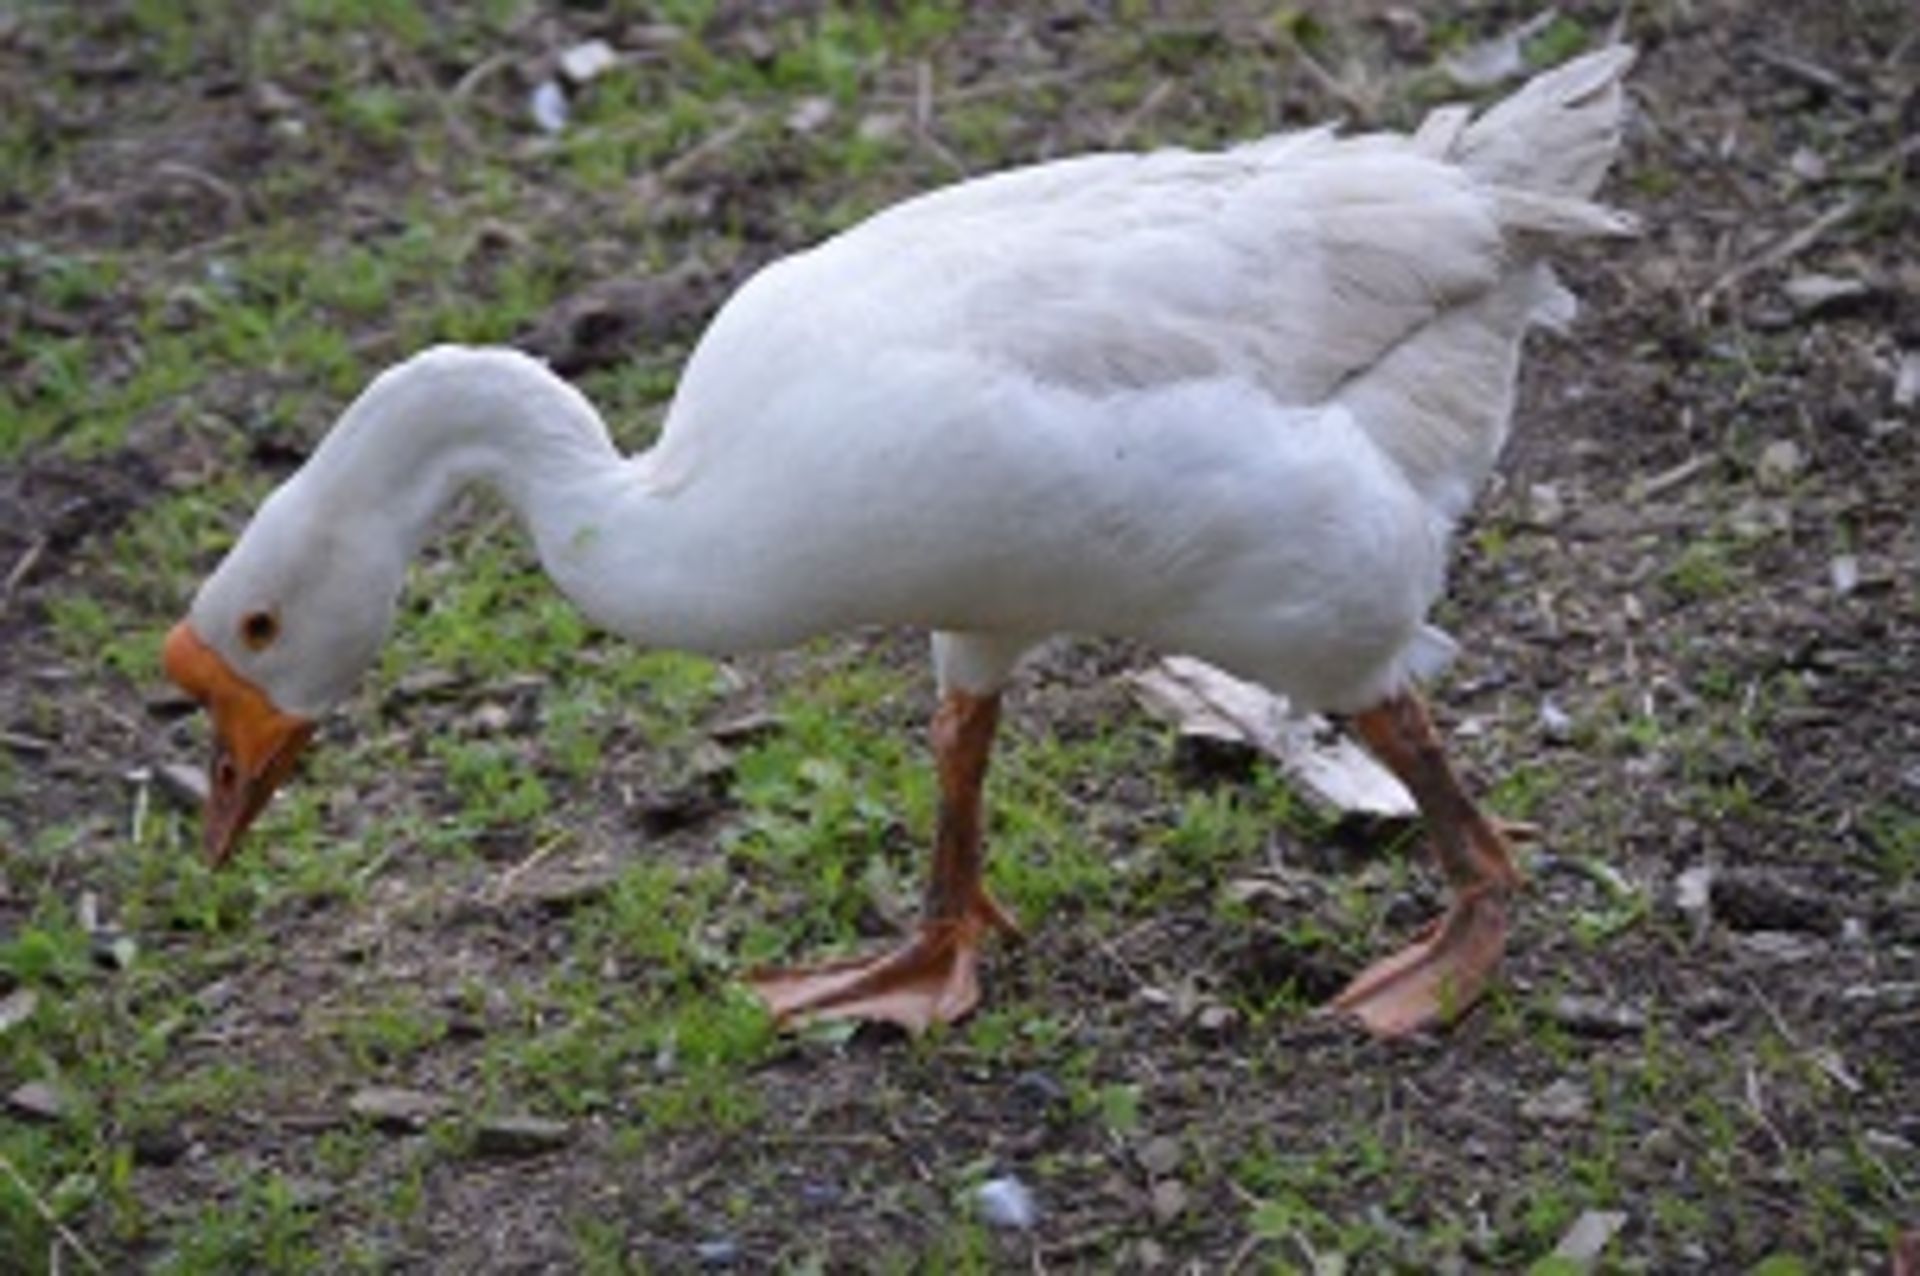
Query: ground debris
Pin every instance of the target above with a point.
(1205, 703)
(1589, 1235)
(16, 1008)
(186, 785)
(1759, 900)
(1813, 293)
(1007, 1202)
(588, 59)
(1564, 1102)
(395, 1109)
(1590, 1016)
(520, 1135)
(39, 1101)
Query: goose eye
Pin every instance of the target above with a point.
(258, 629)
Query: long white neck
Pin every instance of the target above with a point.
(454, 416)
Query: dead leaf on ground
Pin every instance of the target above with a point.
(1204, 702)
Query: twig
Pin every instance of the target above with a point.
(40, 1207)
(1156, 96)
(1781, 251)
(1791, 1037)
(174, 170)
(1757, 1106)
(1813, 73)
(1674, 477)
(25, 564)
(539, 856)
(480, 71)
(373, 866)
(923, 119)
(1328, 83)
(26, 743)
(704, 149)
(1241, 1254)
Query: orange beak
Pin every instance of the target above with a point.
(256, 743)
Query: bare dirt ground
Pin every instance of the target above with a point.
(1690, 614)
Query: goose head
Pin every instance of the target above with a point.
(279, 633)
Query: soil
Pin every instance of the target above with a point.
(1690, 614)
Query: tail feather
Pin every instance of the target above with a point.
(1557, 135)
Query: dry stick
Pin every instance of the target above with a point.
(174, 170)
(41, 1207)
(1329, 83)
(704, 149)
(923, 119)
(1782, 250)
(1156, 96)
(1813, 73)
(540, 854)
(20, 569)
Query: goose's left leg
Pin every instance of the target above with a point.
(932, 978)
(1440, 976)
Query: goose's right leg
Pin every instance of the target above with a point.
(1441, 976)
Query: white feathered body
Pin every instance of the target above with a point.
(1230, 403)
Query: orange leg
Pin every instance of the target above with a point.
(932, 978)
(1439, 977)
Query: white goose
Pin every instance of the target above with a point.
(1231, 404)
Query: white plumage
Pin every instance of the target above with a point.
(1228, 403)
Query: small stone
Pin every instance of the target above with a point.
(16, 1008)
(1813, 293)
(809, 114)
(1564, 1102)
(1755, 900)
(112, 950)
(394, 1109)
(1215, 1022)
(1844, 572)
(1596, 1016)
(588, 59)
(1042, 1091)
(39, 1101)
(520, 1135)
(1545, 505)
(1906, 380)
(721, 1251)
(490, 718)
(1808, 164)
(1407, 30)
(1007, 1202)
(160, 1147)
(1168, 1200)
(1781, 946)
(881, 126)
(1160, 1155)
(746, 728)
(1555, 723)
(1780, 460)
(1693, 895)
(184, 785)
(547, 104)
(1589, 1235)
(269, 100)
(1890, 997)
